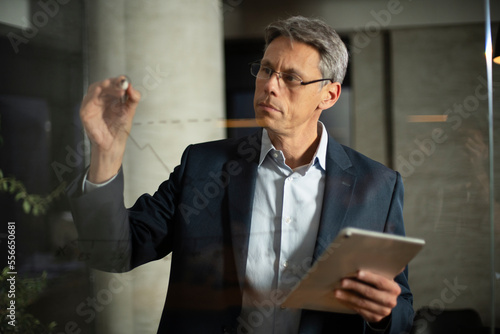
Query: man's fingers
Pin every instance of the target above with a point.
(371, 295)
(373, 292)
(380, 282)
(133, 95)
(114, 88)
(127, 91)
(100, 93)
(109, 105)
(369, 310)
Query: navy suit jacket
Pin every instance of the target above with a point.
(202, 215)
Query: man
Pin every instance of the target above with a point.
(244, 219)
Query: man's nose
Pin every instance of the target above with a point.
(273, 83)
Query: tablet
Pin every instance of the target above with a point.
(352, 250)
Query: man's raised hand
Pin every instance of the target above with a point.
(107, 112)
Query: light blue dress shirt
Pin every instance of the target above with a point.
(285, 219)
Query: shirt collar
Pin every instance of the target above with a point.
(319, 155)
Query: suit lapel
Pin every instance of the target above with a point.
(240, 199)
(339, 187)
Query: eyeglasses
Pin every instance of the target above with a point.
(291, 80)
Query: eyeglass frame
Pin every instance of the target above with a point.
(280, 74)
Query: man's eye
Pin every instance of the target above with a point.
(266, 70)
(290, 78)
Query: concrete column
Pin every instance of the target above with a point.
(173, 53)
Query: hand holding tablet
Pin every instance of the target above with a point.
(353, 250)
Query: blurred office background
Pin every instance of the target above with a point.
(415, 98)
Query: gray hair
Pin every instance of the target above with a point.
(314, 32)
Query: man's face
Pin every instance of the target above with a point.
(285, 110)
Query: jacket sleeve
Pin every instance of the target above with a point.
(115, 239)
(402, 314)
(102, 224)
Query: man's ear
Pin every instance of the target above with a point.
(331, 94)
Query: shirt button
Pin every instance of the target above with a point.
(275, 154)
(288, 220)
(285, 264)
